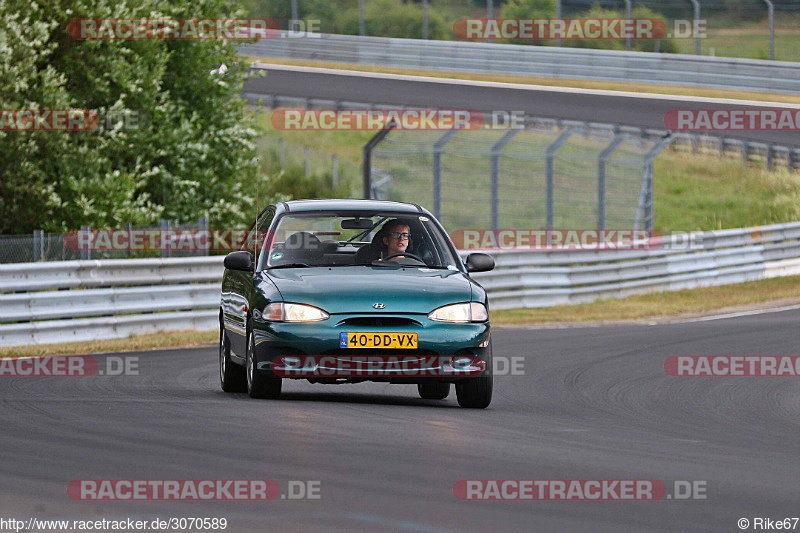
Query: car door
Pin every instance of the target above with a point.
(240, 290)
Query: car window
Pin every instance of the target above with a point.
(347, 240)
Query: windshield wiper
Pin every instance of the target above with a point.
(288, 265)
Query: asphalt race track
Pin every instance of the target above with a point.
(593, 403)
(643, 110)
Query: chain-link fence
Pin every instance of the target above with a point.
(340, 174)
(41, 246)
(552, 174)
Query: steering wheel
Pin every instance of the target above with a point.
(405, 254)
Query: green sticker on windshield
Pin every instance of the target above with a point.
(277, 255)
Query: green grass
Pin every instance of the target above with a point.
(749, 42)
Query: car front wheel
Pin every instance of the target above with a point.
(476, 393)
(258, 385)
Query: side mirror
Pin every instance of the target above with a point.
(240, 260)
(479, 262)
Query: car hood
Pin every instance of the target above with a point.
(355, 289)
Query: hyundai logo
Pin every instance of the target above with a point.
(379, 305)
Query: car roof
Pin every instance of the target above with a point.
(349, 204)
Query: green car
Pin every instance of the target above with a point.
(346, 291)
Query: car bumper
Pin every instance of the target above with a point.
(280, 345)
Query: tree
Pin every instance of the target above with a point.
(192, 151)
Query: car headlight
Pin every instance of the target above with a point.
(464, 312)
(286, 312)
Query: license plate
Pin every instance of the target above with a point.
(355, 339)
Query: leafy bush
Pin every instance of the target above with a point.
(192, 155)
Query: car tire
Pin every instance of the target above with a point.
(434, 390)
(232, 377)
(259, 385)
(476, 393)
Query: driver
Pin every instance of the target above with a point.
(397, 236)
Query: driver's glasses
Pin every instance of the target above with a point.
(404, 236)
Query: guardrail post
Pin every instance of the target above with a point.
(770, 152)
(601, 179)
(361, 30)
(334, 171)
(438, 147)
(281, 159)
(551, 154)
(366, 164)
(295, 16)
(38, 245)
(771, 16)
(87, 253)
(306, 164)
(496, 149)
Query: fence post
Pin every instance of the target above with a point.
(335, 171)
(306, 166)
(295, 16)
(771, 15)
(495, 184)
(551, 154)
(696, 24)
(202, 225)
(366, 163)
(645, 207)
(129, 229)
(558, 16)
(166, 250)
(628, 16)
(437, 171)
(768, 161)
(361, 29)
(87, 253)
(601, 179)
(281, 159)
(424, 19)
(38, 245)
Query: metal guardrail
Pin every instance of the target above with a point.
(539, 278)
(117, 298)
(547, 61)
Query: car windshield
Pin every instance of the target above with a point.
(307, 240)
